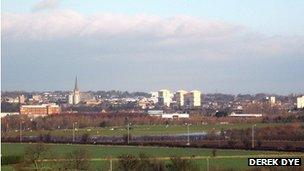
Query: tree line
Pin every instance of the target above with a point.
(286, 137)
(66, 120)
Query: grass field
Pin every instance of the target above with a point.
(137, 130)
(236, 159)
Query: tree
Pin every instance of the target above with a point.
(259, 142)
(10, 107)
(103, 124)
(214, 151)
(85, 138)
(246, 142)
(231, 143)
(179, 164)
(147, 163)
(127, 162)
(221, 114)
(35, 153)
(78, 159)
(144, 162)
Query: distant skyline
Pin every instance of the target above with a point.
(213, 46)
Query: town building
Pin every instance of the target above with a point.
(192, 99)
(39, 110)
(10, 100)
(300, 102)
(179, 97)
(4, 114)
(154, 97)
(161, 114)
(272, 100)
(174, 115)
(143, 103)
(36, 98)
(157, 113)
(164, 97)
(74, 97)
(246, 115)
(22, 99)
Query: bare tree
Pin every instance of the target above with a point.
(179, 164)
(128, 162)
(35, 153)
(78, 159)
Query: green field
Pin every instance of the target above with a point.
(236, 159)
(138, 130)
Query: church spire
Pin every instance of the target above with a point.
(76, 85)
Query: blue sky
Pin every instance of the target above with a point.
(225, 46)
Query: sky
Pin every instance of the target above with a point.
(219, 46)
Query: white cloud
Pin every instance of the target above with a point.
(46, 4)
(68, 23)
(178, 36)
(144, 51)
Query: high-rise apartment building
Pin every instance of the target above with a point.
(164, 97)
(179, 97)
(192, 99)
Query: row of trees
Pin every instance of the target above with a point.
(65, 121)
(10, 107)
(129, 162)
(286, 137)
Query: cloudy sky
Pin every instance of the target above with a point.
(223, 46)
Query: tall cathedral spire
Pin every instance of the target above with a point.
(76, 85)
(74, 97)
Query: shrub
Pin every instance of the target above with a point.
(85, 138)
(231, 143)
(103, 124)
(78, 160)
(128, 162)
(214, 151)
(6, 160)
(179, 164)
